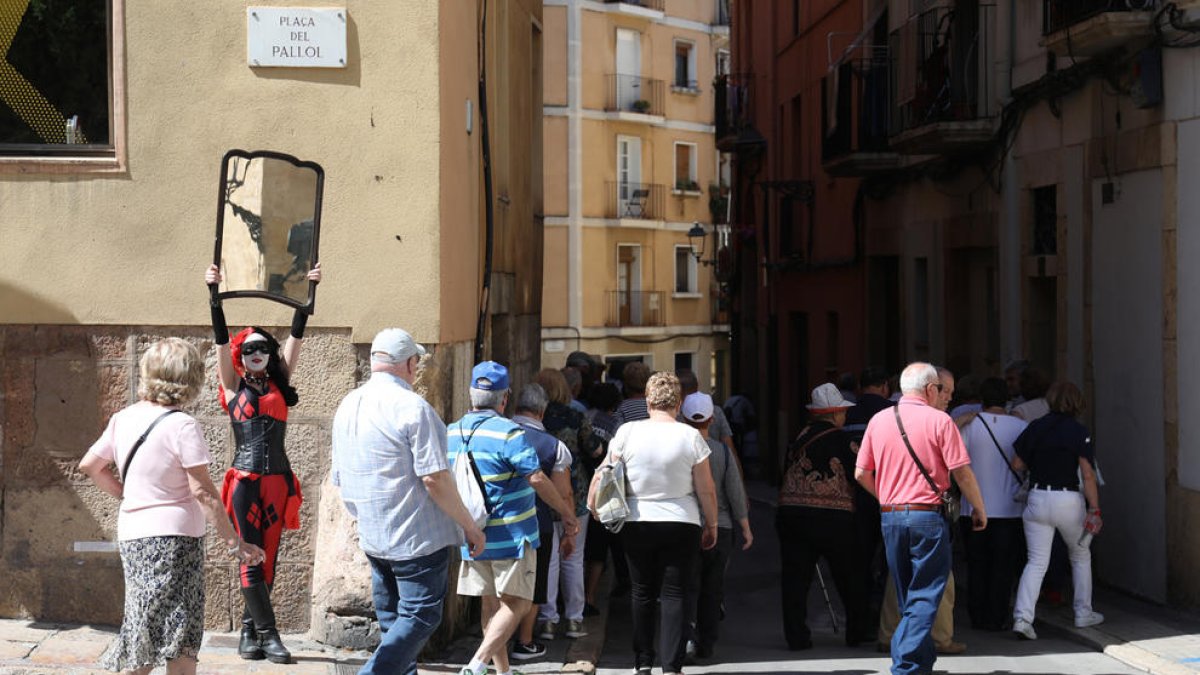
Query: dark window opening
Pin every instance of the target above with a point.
(1045, 220)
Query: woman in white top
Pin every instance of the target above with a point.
(166, 494)
(669, 482)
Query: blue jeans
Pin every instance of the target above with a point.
(917, 544)
(408, 603)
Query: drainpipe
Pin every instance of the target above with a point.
(1009, 239)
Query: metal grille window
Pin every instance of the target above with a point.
(54, 79)
(1045, 220)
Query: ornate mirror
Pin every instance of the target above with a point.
(268, 222)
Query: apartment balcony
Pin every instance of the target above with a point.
(855, 110)
(640, 201)
(1091, 27)
(648, 8)
(634, 309)
(635, 98)
(723, 13)
(733, 100)
(942, 82)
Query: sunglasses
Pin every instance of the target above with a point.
(256, 348)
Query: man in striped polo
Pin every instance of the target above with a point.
(504, 574)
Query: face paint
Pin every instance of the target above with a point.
(255, 353)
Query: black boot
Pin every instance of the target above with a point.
(258, 601)
(248, 646)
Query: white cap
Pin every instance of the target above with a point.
(697, 407)
(828, 398)
(394, 345)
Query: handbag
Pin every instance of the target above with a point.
(142, 439)
(612, 508)
(469, 482)
(1022, 494)
(950, 506)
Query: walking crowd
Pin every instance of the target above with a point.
(1007, 467)
(871, 486)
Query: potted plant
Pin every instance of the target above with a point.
(641, 105)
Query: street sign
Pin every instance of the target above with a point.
(296, 37)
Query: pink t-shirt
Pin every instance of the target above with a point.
(934, 438)
(157, 501)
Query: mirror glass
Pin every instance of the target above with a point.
(268, 222)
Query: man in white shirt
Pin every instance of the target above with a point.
(994, 555)
(390, 461)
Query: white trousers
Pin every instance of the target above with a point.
(571, 576)
(1047, 512)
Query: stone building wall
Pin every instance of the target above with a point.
(59, 385)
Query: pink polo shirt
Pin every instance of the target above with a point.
(934, 438)
(158, 499)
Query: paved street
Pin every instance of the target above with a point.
(752, 640)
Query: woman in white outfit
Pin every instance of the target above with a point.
(1057, 450)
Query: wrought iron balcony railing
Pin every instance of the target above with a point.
(941, 65)
(856, 108)
(1060, 14)
(643, 201)
(635, 308)
(733, 99)
(631, 93)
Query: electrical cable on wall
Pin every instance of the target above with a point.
(486, 287)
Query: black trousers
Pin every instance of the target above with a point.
(705, 604)
(662, 559)
(805, 536)
(995, 558)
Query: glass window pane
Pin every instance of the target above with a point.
(681, 270)
(56, 92)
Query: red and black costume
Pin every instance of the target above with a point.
(260, 492)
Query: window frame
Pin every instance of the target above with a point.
(693, 273)
(693, 167)
(691, 85)
(112, 161)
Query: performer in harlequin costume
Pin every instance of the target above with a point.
(260, 492)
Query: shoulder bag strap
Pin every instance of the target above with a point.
(142, 439)
(928, 479)
(1007, 461)
(487, 503)
(803, 449)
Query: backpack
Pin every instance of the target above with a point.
(611, 507)
(470, 487)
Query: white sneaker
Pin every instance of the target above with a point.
(1024, 629)
(1091, 619)
(549, 630)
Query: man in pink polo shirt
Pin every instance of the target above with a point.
(916, 537)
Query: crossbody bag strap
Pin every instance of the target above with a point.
(928, 479)
(803, 450)
(487, 503)
(1007, 461)
(142, 439)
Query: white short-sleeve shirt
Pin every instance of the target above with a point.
(659, 457)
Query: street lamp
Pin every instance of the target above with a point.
(696, 237)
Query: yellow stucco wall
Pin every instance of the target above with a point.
(554, 52)
(554, 278)
(555, 172)
(68, 238)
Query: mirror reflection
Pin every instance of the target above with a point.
(268, 226)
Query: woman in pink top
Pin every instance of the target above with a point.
(166, 495)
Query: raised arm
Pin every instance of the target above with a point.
(291, 346)
(225, 372)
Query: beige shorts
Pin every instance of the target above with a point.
(499, 577)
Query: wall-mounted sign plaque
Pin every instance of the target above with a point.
(296, 37)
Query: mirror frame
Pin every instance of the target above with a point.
(308, 306)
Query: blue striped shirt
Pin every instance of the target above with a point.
(505, 461)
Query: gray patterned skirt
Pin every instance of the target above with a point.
(164, 602)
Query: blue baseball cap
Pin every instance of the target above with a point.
(489, 376)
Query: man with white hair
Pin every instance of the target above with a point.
(389, 459)
(504, 574)
(906, 459)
